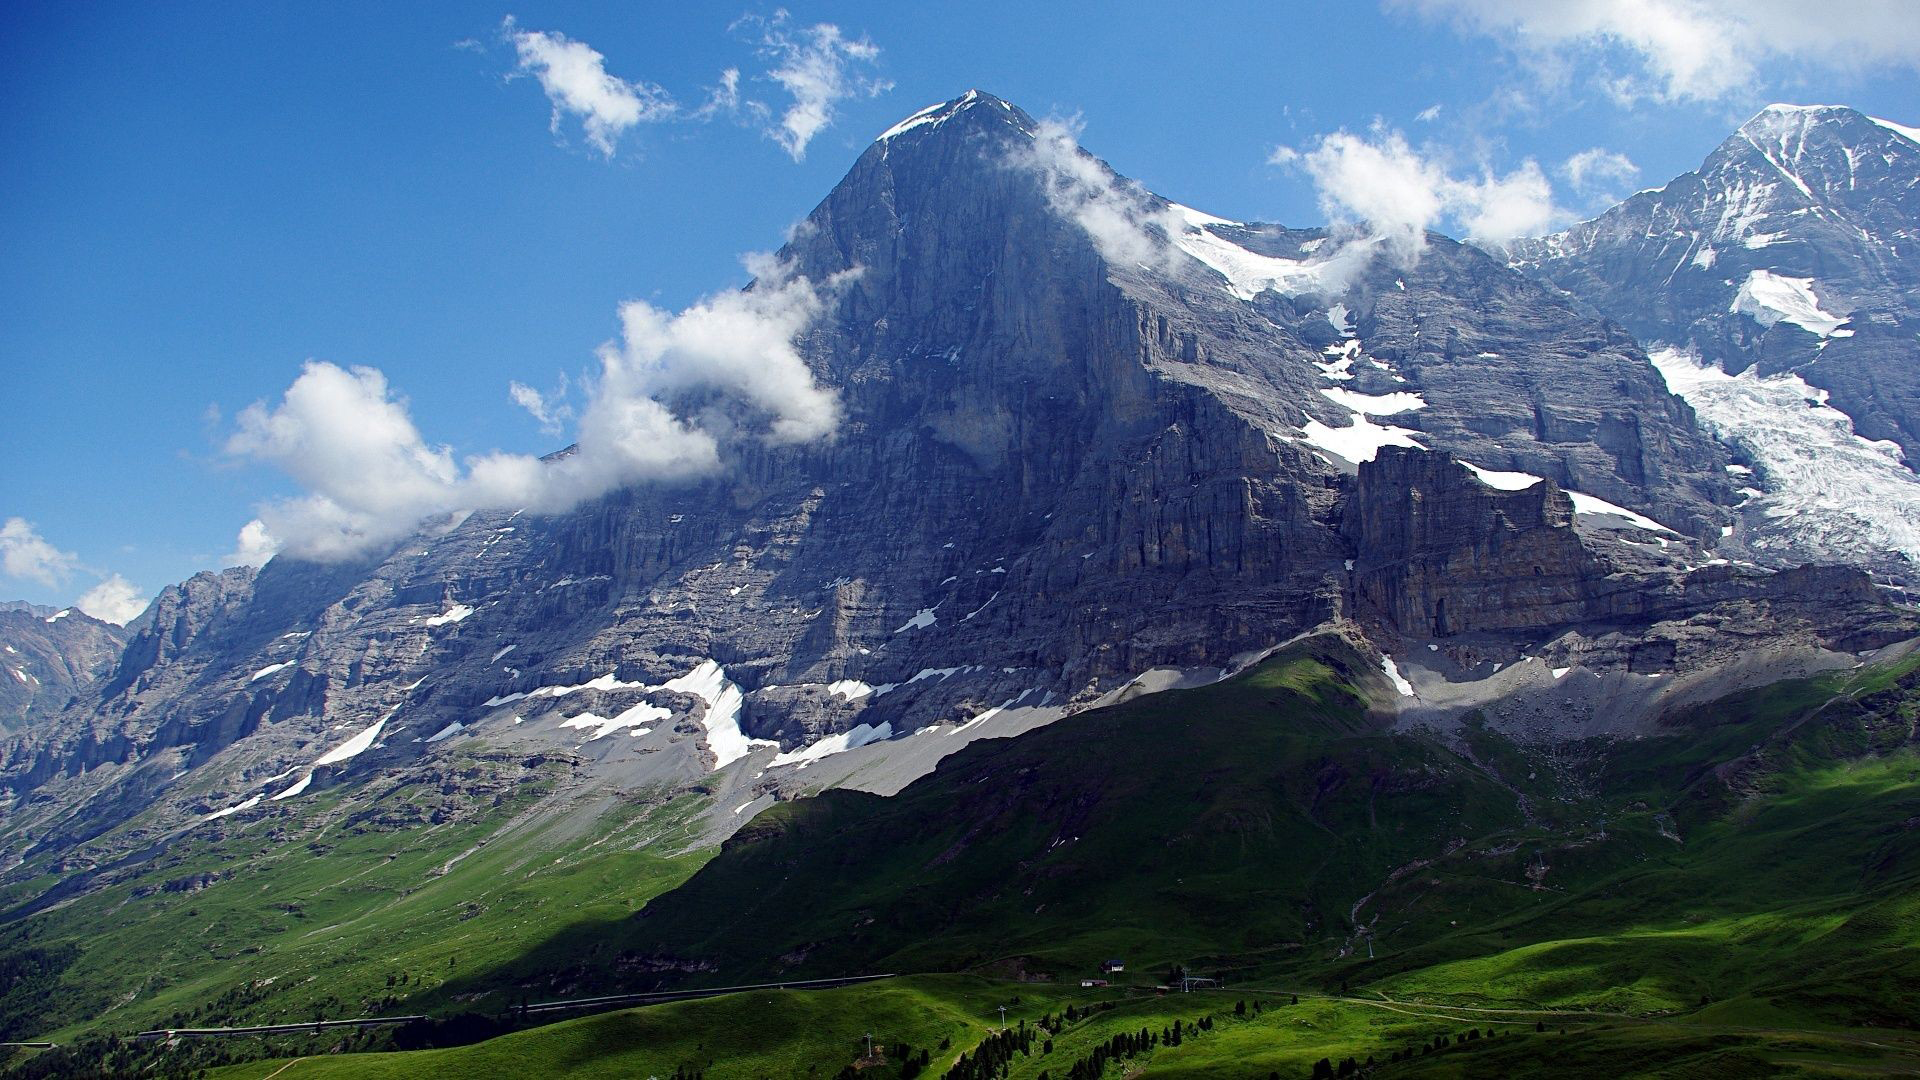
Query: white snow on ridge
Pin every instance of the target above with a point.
(1770, 298)
(58, 615)
(503, 652)
(1248, 273)
(1912, 135)
(218, 814)
(298, 787)
(1502, 481)
(357, 745)
(452, 615)
(447, 732)
(1596, 506)
(833, 744)
(1825, 484)
(924, 116)
(268, 670)
(854, 689)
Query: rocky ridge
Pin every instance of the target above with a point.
(1062, 478)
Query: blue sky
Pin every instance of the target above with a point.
(196, 201)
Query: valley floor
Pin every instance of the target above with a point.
(1243, 1032)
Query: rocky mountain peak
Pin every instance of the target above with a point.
(974, 110)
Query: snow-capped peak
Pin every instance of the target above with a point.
(934, 115)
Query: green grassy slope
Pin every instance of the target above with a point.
(344, 903)
(1238, 820)
(1736, 894)
(1758, 855)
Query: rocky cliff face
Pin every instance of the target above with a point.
(46, 656)
(1062, 476)
(1786, 259)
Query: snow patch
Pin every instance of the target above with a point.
(452, 615)
(708, 682)
(357, 745)
(1248, 274)
(1502, 481)
(58, 615)
(920, 621)
(218, 814)
(1360, 441)
(1374, 404)
(503, 652)
(1398, 680)
(1770, 298)
(298, 787)
(1339, 317)
(447, 732)
(854, 689)
(1593, 505)
(834, 744)
(636, 718)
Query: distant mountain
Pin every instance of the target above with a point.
(1789, 258)
(1094, 445)
(46, 656)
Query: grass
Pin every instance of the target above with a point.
(332, 910)
(1738, 894)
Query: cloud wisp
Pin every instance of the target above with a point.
(574, 76)
(25, 555)
(671, 395)
(1694, 50)
(1130, 226)
(816, 67)
(1380, 182)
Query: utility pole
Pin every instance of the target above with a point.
(1003, 1017)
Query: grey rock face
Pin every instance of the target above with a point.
(1056, 474)
(1443, 556)
(46, 656)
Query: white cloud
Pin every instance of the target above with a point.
(818, 66)
(24, 554)
(1690, 49)
(550, 415)
(115, 600)
(1122, 219)
(575, 78)
(1398, 193)
(1429, 114)
(1595, 166)
(253, 547)
(671, 394)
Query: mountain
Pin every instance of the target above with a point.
(46, 656)
(1786, 259)
(1094, 446)
(1278, 825)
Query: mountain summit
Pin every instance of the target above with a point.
(1090, 444)
(1787, 256)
